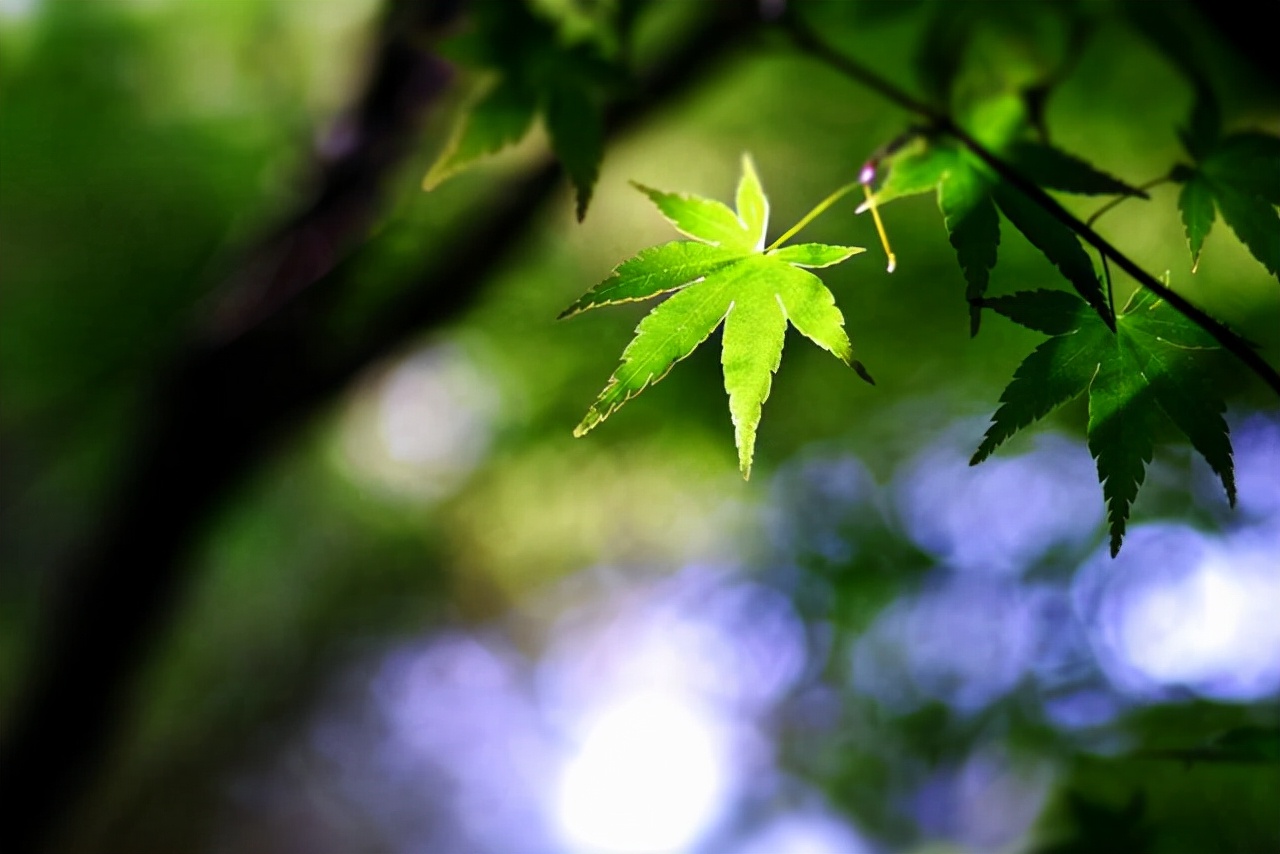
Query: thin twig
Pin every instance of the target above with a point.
(1110, 206)
(810, 44)
(1118, 200)
(817, 211)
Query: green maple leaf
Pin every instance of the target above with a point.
(1237, 176)
(725, 274)
(969, 195)
(533, 72)
(1153, 363)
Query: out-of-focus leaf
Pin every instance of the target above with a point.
(941, 49)
(1054, 169)
(576, 125)
(546, 66)
(498, 119)
(1205, 123)
(1239, 175)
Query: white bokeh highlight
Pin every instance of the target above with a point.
(649, 776)
(1182, 613)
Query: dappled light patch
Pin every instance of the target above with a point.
(1002, 517)
(809, 830)
(1187, 613)
(943, 644)
(416, 430)
(647, 775)
(986, 803)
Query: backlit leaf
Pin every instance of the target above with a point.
(550, 62)
(753, 206)
(728, 277)
(655, 271)
(702, 219)
(498, 119)
(576, 125)
(1196, 204)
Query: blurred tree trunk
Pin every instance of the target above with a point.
(252, 376)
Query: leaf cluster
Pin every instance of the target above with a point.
(983, 149)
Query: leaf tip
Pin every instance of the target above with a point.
(435, 177)
(588, 422)
(862, 371)
(583, 198)
(1117, 535)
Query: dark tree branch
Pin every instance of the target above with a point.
(233, 399)
(812, 45)
(354, 159)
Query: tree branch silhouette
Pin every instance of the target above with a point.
(812, 45)
(235, 396)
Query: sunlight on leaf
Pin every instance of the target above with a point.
(726, 275)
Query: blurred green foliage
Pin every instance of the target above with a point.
(146, 146)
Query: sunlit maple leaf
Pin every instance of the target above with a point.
(725, 274)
